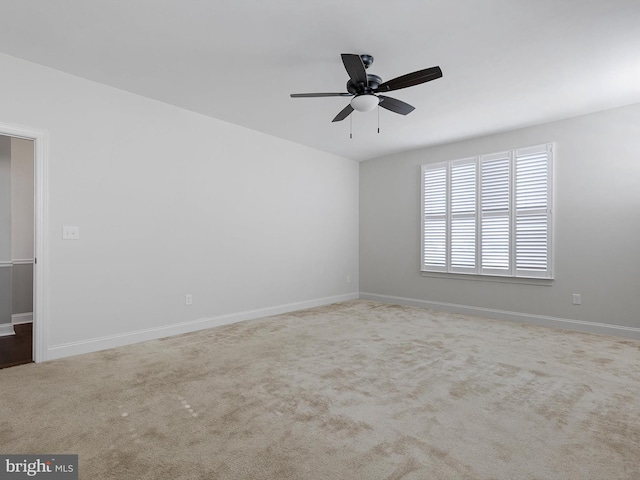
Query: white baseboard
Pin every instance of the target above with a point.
(20, 318)
(113, 341)
(6, 329)
(554, 322)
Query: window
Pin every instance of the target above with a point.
(489, 215)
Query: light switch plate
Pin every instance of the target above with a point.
(70, 233)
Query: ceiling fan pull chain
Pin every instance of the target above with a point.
(350, 126)
(378, 118)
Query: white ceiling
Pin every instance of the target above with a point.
(506, 63)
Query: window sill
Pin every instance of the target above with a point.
(544, 282)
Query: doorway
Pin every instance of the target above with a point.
(16, 250)
(23, 242)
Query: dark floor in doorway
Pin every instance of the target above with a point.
(17, 349)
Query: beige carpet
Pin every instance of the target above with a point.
(357, 390)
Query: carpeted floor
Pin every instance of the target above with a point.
(358, 390)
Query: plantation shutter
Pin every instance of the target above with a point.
(434, 217)
(463, 216)
(489, 215)
(495, 199)
(533, 211)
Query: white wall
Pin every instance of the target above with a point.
(170, 202)
(597, 227)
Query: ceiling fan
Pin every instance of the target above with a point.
(365, 87)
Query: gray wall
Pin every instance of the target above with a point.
(16, 227)
(597, 223)
(22, 289)
(22, 197)
(5, 230)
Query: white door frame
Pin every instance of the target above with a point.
(41, 222)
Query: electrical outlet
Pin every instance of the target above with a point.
(188, 299)
(70, 232)
(576, 299)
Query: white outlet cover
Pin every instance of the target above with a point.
(70, 232)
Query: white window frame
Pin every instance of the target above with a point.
(533, 256)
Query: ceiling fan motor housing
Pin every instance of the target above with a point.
(373, 82)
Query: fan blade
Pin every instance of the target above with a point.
(355, 68)
(311, 95)
(395, 105)
(344, 113)
(411, 79)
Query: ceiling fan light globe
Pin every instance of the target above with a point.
(364, 103)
